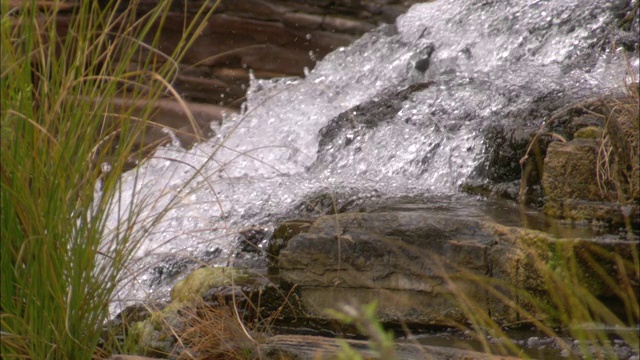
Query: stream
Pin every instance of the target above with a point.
(400, 112)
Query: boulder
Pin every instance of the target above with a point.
(424, 268)
(594, 175)
(582, 164)
(571, 185)
(570, 171)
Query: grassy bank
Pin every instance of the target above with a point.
(61, 140)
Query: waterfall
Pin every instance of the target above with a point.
(400, 111)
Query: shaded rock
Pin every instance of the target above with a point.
(314, 347)
(587, 176)
(415, 264)
(593, 176)
(251, 238)
(284, 232)
(508, 146)
(501, 173)
(570, 171)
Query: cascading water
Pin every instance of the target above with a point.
(400, 111)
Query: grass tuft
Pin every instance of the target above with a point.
(214, 332)
(619, 154)
(63, 148)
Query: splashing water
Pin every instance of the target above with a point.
(400, 111)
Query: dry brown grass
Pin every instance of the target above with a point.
(214, 332)
(619, 158)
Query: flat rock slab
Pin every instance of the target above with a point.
(301, 347)
(424, 268)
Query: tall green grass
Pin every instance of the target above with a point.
(60, 263)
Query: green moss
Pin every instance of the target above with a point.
(151, 336)
(144, 339)
(589, 132)
(552, 208)
(203, 279)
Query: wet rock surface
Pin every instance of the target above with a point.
(564, 166)
(410, 258)
(270, 38)
(315, 347)
(416, 257)
(355, 121)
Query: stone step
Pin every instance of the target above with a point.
(305, 347)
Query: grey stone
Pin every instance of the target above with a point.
(571, 186)
(314, 347)
(418, 265)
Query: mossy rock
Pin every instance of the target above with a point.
(589, 132)
(284, 232)
(203, 279)
(151, 337)
(145, 339)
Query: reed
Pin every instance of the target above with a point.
(63, 148)
(586, 297)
